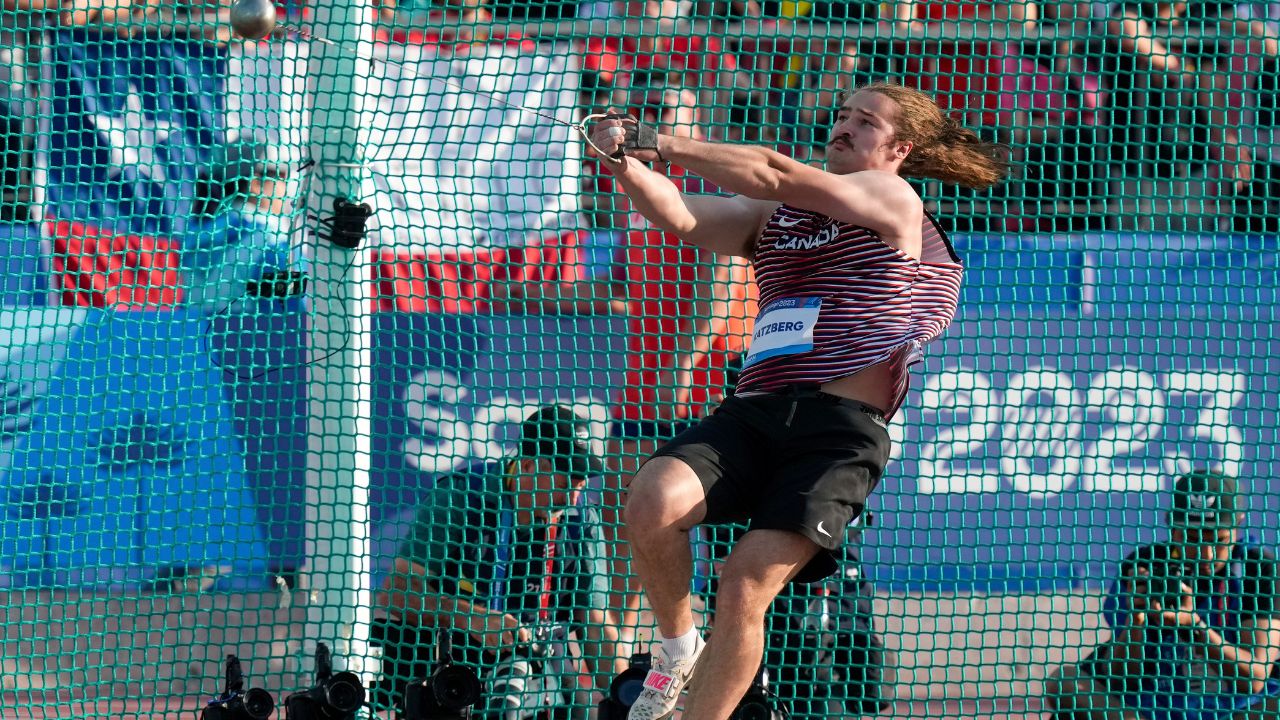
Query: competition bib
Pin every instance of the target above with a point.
(784, 327)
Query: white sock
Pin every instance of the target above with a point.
(679, 648)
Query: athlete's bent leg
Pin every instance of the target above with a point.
(757, 569)
(665, 501)
(627, 455)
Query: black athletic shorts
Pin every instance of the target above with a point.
(800, 460)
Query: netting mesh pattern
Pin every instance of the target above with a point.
(239, 419)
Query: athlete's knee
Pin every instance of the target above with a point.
(664, 494)
(744, 594)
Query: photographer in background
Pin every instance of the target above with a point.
(496, 553)
(238, 238)
(1195, 622)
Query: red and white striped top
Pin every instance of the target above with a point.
(878, 304)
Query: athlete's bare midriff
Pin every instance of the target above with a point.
(871, 385)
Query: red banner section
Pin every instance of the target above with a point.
(93, 267)
(460, 281)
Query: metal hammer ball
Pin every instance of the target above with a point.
(253, 19)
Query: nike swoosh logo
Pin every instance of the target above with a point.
(822, 529)
(784, 222)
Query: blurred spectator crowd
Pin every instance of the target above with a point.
(1124, 116)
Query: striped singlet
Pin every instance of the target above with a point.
(876, 304)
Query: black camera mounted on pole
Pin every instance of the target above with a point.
(447, 694)
(235, 703)
(346, 226)
(333, 697)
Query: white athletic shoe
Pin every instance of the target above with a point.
(663, 685)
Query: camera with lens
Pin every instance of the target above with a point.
(548, 640)
(625, 688)
(447, 694)
(236, 703)
(1161, 583)
(333, 697)
(521, 686)
(1165, 590)
(758, 703)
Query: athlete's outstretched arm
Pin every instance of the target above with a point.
(875, 199)
(879, 200)
(723, 225)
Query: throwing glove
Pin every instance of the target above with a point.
(638, 137)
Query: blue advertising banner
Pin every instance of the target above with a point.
(123, 465)
(1043, 432)
(1038, 452)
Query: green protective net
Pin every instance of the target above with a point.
(236, 424)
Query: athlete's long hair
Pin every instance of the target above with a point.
(942, 148)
